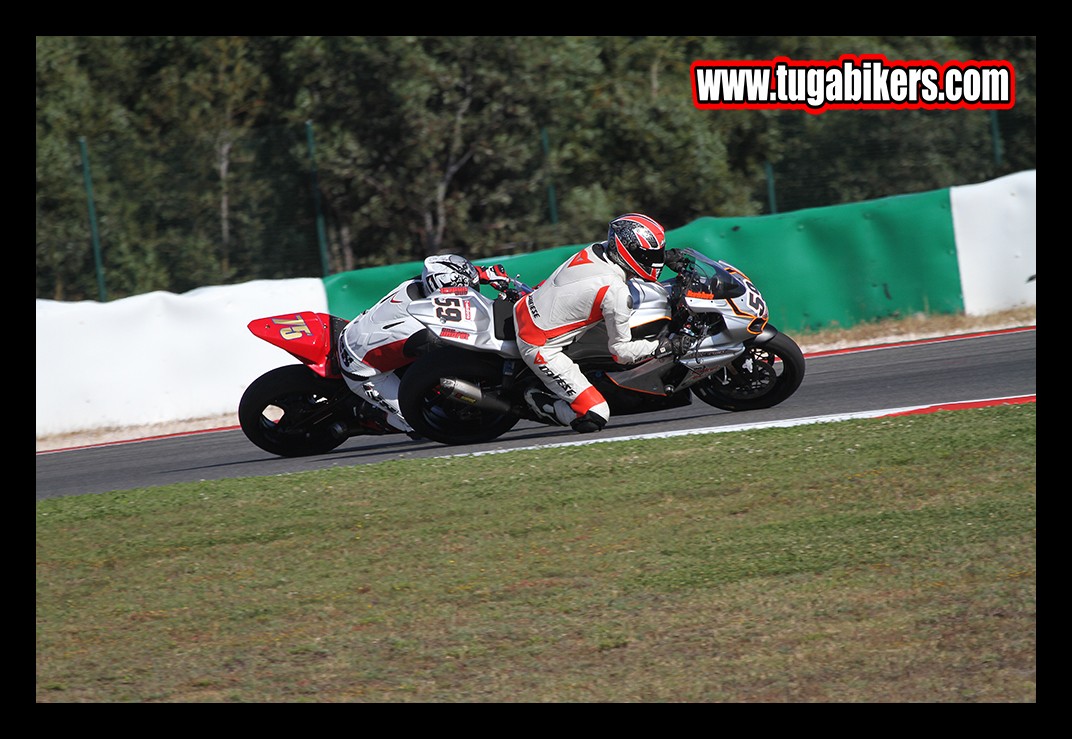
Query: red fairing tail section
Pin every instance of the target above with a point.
(305, 335)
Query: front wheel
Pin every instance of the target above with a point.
(762, 377)
(290, 411)
(432, 411)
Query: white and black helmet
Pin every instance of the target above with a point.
(448, 270)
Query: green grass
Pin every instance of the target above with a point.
(886, 560)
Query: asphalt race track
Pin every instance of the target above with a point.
(931, 372)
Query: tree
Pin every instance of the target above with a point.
(204, 97)
(72, 105)
(421, 138)
(482, 145)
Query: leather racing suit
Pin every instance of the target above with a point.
(584, 291)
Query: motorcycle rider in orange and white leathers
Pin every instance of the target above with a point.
(591, 287)
(386, 338)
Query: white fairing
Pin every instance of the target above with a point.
(651, 303)
(372, 343)
(464, 317)
(742, 316)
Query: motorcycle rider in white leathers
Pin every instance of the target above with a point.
(589, 288)
(385, 337)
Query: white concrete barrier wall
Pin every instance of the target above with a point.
(158, 357)
(994, 229)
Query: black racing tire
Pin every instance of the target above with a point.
(289, 411)
(764, 376)
(433, 415)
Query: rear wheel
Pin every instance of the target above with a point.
(290, 411)
(435, 415)
(762, 377)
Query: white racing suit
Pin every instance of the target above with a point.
(584, 291)
(373, 346)
(386, 338)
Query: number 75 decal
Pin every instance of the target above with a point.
(292, 328)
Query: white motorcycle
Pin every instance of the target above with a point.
(471, 389)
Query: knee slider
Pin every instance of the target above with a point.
(588, 423)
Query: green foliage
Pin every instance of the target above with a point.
(873, 561)
(202, 173)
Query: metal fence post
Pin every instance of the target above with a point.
(320, 237)
(769, 171)
(93, 220)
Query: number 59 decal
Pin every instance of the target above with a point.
(448, 309)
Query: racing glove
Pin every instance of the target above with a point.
(674, 345)
(676, 261)
(494, 275)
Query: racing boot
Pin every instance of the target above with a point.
(549, 408)
(588, 423)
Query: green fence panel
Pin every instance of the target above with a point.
(349, 293)
(842, 265)
(817, 268)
